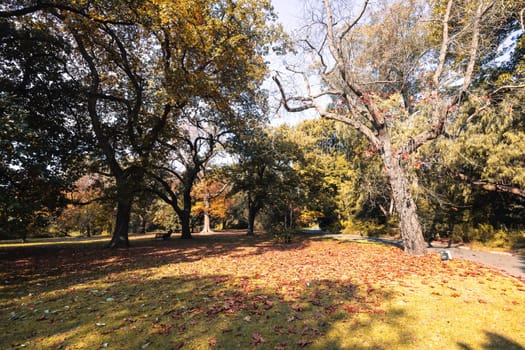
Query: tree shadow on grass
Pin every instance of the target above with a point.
(89, 297)
(169, 295)
(495, 341)
(26, 270)
(202, 311)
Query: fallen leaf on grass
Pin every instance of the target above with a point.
(268, 305)
(304, 342)
(162, 329)
(296, 307)
(258, 339)
(352, 309)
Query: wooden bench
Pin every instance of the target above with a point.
(164, 236)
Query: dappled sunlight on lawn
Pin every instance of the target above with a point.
(253, 293)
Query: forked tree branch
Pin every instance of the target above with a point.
(310, 103)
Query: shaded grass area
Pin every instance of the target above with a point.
(233, 291)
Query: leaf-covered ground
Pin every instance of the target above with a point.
(236, 292)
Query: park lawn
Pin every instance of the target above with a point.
(237, 292)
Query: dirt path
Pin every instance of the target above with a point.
(511, 264)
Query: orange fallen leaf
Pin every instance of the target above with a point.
(304, 342)
(258, 339)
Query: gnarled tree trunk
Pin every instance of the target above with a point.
(409, 224)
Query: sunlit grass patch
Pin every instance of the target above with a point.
(226, 294)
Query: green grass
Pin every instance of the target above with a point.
(235, 292)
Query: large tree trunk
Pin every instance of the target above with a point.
(185, 214)
(252, 212)
(185, 224)
(126, 183)
(143, 224)
(207, 228)
(409, 225)
(120, 234)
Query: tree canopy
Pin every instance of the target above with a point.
(421, 107)
(140, 66)
(41, 148)
(400, 71)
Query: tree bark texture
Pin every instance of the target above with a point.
(207, 225)
(409, 225)
(120, 234)
(185, 223)
(252, 212)
(185, 213)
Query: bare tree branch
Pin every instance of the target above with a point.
(307, 101)
(349, 27)
(444, 45)
(419, 140)
(491, 186)
(474, 47)
(310, 103)
(318, 53)
(499, 187)
(355, 123)
(336, 50)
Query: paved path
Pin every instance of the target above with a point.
(511, 264)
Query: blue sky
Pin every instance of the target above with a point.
(289, 11)
(290, 14)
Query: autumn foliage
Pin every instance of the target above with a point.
(230, 291)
